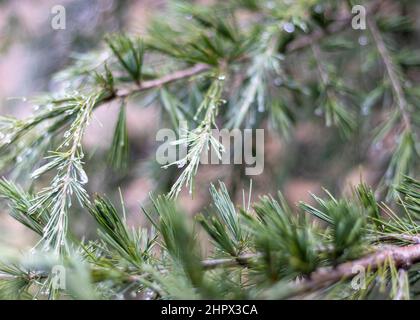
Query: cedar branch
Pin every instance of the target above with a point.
(159, 82)
(229, 262)
(337, 26)
(298, 44)
(402, 257)
(397, 87)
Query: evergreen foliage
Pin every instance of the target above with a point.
(214, 70)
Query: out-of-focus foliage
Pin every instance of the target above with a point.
(210, 66)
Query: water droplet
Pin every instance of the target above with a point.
(149, 294)
(278, 81)
(83, 177)
(363, 40)
(289, 27)
(36, 107)
(365, 110)
(318, 8)
(66, 134)
(28, 152)
(181, 163)
(7, 139)
(378, 145)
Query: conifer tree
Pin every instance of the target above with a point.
(209, 65)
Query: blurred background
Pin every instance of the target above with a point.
(31, 52)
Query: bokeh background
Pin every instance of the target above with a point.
(31, 52)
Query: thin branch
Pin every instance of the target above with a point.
(298, 44)
(230, 262)
(159, 82)
(321, 70)
(244, 259)
(391, 71)
(337, 26)
(403, 257)
(29, 276)
(405, 237)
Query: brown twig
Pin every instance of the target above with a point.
(159, 82)
(300, 43)
(30, 276)
(402, 257)
(405, 237)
